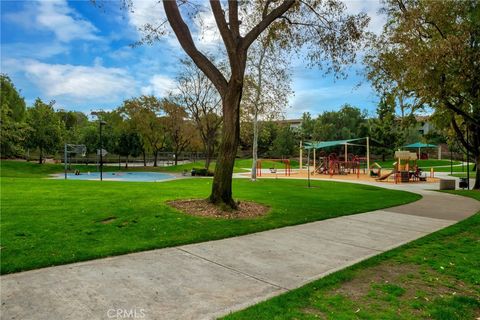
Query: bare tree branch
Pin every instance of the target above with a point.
(185, 38)
(266, 21)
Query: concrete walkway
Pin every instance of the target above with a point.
(206, 280)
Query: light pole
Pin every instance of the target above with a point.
(468, 163)
(308, 167)
(101, 124)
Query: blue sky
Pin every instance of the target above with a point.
(80, 56)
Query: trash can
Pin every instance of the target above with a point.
(463, 183)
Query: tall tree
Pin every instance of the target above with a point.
(321, 26)
(129, 144)
(179, 129)
(45, 133)
(12, 113)
(285, 143)
(267, 86)
(432, 49)
(383, 130)
(144, 114)
(308, 125)
(72, 124)
(198, 94)
(347, 123)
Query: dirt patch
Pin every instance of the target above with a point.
(108, 220)
(201, 207)
(410, 277)
(383, 273)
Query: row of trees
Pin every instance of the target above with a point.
(148, 125)
(189, 120)
(388, 131)
(139, 126)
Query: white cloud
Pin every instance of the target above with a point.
(159, 85)
(144, 12)
(150, 12)
(55, 16)
(329, 96)
(204, 29)
(77, 84)
(33, 50)
(122, 53)
(66, 23)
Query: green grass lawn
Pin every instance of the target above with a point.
(464, 175)
(435, 277)
(48, 222)
(456, 169)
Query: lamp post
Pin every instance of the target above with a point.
(101, 124)
(308, 167)
(468, 164)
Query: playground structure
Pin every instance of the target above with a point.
(286, 162)
(346, 160)
(375, 170)
(405, 169)
(335, 164)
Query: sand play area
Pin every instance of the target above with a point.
(303, 174)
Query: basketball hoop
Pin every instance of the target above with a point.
(77, 149)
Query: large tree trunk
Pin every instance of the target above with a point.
(476, 186)
(126, 162)
(222, 181)
(155, 158)
(231, 90)
(144, 159)
(40, 158)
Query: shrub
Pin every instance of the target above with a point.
(201, 172)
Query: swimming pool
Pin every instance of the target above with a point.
(119, 176)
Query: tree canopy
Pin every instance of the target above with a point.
(428, 56)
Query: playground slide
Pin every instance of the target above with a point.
(385, 176)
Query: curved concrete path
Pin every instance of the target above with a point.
(206, 280)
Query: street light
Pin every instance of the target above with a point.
(308, 167)
(468, 162)
(101, 123)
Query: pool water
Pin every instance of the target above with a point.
(119, 176)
